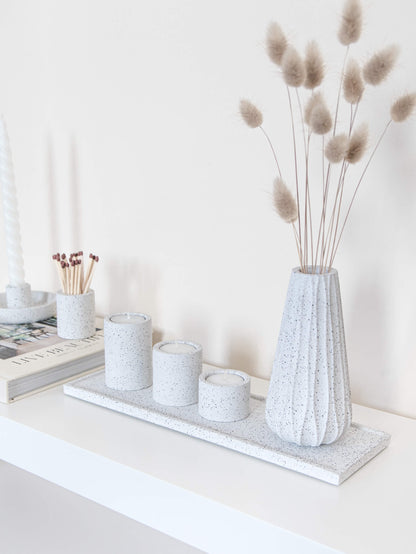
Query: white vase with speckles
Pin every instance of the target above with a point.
(309, 401)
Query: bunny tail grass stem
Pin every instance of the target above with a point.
(332, 249)
(308, 210)
(297, 245)
(296, 166)
(339, 90)
(329, 237)
(358, 185)
(272, 149)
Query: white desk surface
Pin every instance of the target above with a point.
(210, 497)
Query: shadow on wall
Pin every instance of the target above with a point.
(133, 287)
(56, 198)
(368, 332)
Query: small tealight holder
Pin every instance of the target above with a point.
(224, 395)
(177, 366)
(75, 315)
(128, 351)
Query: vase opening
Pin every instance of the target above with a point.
(315, 270)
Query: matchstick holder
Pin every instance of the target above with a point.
(75, 315)
(176, 373)
(128, 351)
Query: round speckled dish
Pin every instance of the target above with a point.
(224, 395)
(42, 307)
(128, 351)
(176, 369)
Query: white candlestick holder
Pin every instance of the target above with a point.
(224, 395)
(128, 351)
(19, 304)
(176, 369)
(75, 315)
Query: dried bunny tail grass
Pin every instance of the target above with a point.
(352, 22)
(357, 145)
(353, 83)
(320, 119)
(250, 114)
(403, 107)
(336, 148)
(284, 202)
(314, 66)
(380, 64)
(276, 43)
(315, 99)
(293, 67)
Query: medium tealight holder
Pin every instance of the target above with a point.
(75, 315)
(177, 366)
(224, 395)
(128, 351)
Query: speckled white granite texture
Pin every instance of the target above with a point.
(224, 402)
(331, 463)
(19, 296)
(309, 397)
(75, 315)
(128, 353)
(42, 306)
(175, 375)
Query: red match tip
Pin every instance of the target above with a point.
(91, 256)
(96, 258)
(63, 265)
(63, 256)
(80, 253)
(54, 257)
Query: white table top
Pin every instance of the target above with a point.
(210, 497)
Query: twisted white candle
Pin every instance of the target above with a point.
(11, 214)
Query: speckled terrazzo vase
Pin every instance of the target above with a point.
(309, 396)
(75, 315)
(128, 351)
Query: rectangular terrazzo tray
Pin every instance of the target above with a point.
(331, 463)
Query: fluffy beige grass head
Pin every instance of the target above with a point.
(351, 22)
(284, 202)
(403, 107)
(353, 83)
(378, 67)
(251, 115)
(314, 66)
(276, 43)
(314, 99)
(336, 148)
(357, 145)
(320, 118)
(293, 68)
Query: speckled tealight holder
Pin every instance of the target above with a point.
(224, 395)
(332, 463)
(176, 369)
(128, 351)
(75, 315)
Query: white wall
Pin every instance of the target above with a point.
(127, 142)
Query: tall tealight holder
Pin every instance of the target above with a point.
(128, 351)
(176, 369)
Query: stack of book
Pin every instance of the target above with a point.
(33, 357)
